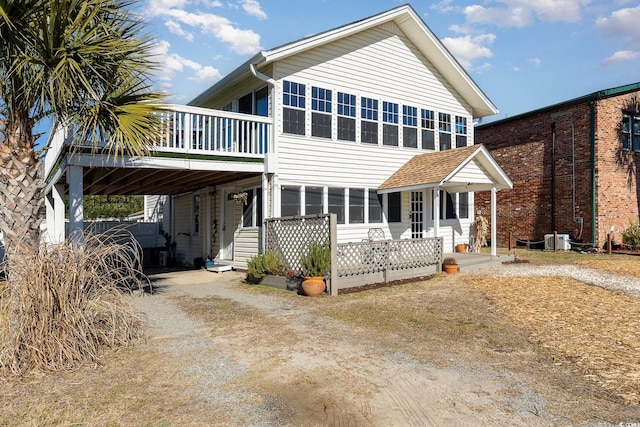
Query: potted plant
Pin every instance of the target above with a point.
(314, 265)
(450, 265)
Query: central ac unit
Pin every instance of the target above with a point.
(563, 244)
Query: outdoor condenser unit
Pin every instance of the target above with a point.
(564, 242)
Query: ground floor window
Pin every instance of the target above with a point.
(394, 207)
(289, 201)
(454, 205)
(252, 209)
(336, 203)
(375, 207)
(356, 205)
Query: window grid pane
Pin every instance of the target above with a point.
(369, 109)
(293, 94)
(444, 122)
(428, 119)
(389, 112)
(409, 116)
(320, 99)
(346, 104)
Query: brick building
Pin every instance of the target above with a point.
(573, 165)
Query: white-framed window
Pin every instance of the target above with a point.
(356, 205)
(461, 132)
(428, 125)
(252, 210)
(444, 128)
(195, 209)
(346, 117)
(389, 123)
(293, 111)
(631, 133)
(375, 207)
(336, 203)
(313, 200)
(320, 112)
(454, 205)
(369, 122)
(409, 126)
(289, 200)
(394, 207)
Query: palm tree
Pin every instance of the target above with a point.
(84, 65)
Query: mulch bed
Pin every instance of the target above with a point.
(594, 331)
(384, 285)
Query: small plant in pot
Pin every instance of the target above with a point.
(315, 264)
(450, 265)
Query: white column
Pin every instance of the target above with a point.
(265, 210)
(436, 211)
(54, 203)
(493, 221)
(76, 213)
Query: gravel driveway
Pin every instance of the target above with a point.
(261, 379)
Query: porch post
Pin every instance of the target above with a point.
(55, 214)
(76, 213)
(493, 221)
(436, 211)
(265, 210)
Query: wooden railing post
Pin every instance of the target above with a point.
(510, 246)
(555, 241)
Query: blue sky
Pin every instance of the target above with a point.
(524, 54)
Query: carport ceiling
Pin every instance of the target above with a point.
(131, 181)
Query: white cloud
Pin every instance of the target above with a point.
(624, 24)
(523, 13)
(176, 29)
(536, 62)
(241, 41)
(171, 63)
(469, 48)
(252, 7)
(621, 56)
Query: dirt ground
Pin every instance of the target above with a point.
(460, 349)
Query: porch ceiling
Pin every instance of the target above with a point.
(120, 181)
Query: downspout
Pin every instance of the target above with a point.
(271, 149)
(592, 159)
(553, 177)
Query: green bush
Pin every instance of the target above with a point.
(631, 235)
(268, 263)
(316, 261)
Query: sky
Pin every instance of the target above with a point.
(523, 54)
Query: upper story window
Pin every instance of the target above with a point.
(444, 126)
(369, 125)
(390, 123)
(321, 112)
(631, 133)
(410, 126)
(294, 101)
(461, 132)
(346, 117)
(428, 125)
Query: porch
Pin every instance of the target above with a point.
(195, 148)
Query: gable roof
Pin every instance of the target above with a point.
(463, 169)
(406, 18)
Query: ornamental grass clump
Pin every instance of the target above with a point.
(631, 235)
(74, 302)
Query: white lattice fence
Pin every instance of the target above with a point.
(361, 258)
(291, 236)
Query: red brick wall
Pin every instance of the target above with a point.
(522, 147)
(617, 183)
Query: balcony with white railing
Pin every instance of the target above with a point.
(193, 131)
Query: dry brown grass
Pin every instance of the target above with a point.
(66, 304)
(594, 331)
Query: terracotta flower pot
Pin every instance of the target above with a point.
(313, 286)
(462, 247)
(450, 268)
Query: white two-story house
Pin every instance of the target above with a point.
(372, 121)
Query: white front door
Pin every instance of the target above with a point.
(228, 226)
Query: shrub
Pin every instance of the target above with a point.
(449, 261)
(67, 303)
(270, 262)
(316, 261)
(631, 235)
